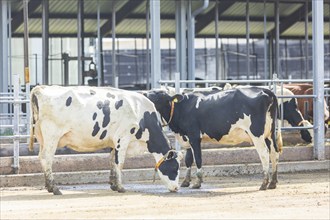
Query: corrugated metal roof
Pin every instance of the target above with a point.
(131, 17)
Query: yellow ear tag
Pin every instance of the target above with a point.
(175, 100)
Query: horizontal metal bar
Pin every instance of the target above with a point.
(12, 97)
(12, 93)
(295, 128)
(15, 101)
(242, 81)
(14, 137)
(11, 115)
(12, 126)
(296, 96)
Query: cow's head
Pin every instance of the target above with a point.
(292, 114)
(168, 168)
(163, 101)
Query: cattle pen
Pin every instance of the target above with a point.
(230, 174)
(78, 59)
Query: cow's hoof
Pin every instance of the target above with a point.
(117, 188)
(272, 185)
(185, 184)
(114, 187)
(263, 187)
(121, 190)
(47, 186)
(56, 191)
(196, 186)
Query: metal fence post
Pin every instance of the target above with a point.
(275, 80)
(318, 76)
(177, 91)
(15, 164)
(155, 43)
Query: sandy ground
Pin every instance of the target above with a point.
(298, 196)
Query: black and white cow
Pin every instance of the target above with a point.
(291, 111)
(91, 118)
(227, 117)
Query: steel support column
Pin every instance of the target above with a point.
(4, 52)
(271, 56)
(191, 42)
(191, 38)
(318, 77)
(237, 59)
(101, 59)
(148, 39)
(155, 43)
(180, 36)
(217, 74)
(265, 42)
(80, 39)
(306, 40)
(26, 59)
(113, 34)
(247, 40)
(45, 41)
(277, 39)
(10, 82)
(99, 46)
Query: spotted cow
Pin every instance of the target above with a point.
(226, 117)
(291, 111)
(91, 118)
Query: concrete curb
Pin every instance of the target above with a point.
(87, 177)
(100, 161)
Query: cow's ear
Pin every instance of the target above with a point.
(177, 98)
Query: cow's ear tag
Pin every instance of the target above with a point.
(177, 98)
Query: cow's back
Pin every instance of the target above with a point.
(222, 115)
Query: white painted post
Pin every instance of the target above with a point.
(15, 164)
(155, 43)
(318, 76)
(177, 91)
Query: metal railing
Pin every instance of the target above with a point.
(16, 98)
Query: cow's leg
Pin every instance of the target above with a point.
(113, 176)
(46, 156)
(274, 157)
(262, 149)
(189, 159)
(197, 152)
(118, 164)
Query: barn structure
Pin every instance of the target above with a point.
(140, 44)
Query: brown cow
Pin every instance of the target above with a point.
(306, 89)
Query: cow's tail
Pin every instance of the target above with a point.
(279, 140)
(34, 111)
(276, 135)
